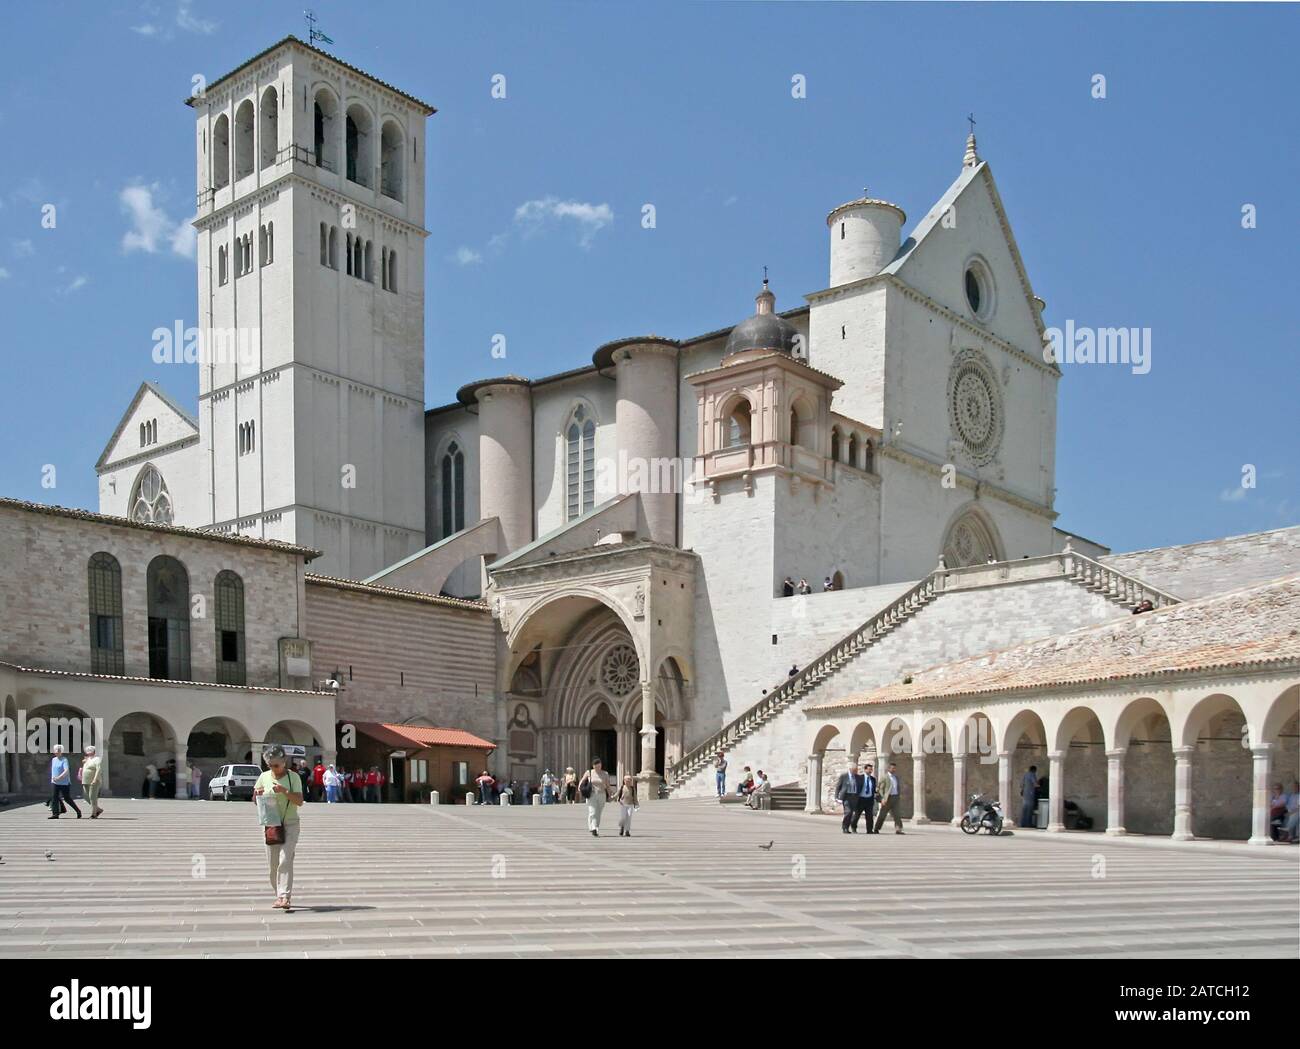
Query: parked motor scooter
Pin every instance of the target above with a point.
(982, 815)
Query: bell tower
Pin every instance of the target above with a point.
(310, 193)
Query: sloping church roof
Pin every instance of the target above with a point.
(163, 396)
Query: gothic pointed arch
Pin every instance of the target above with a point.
(971, 539)
(580, 460)
(150, 502)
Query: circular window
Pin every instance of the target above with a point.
(978, 286)
(975, 406)
(621, 670)
(973, 293)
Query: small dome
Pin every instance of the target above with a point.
(764, 330)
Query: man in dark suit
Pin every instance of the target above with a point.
(866, 798)
(847, 793)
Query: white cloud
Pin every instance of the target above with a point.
(151, 227)
(78, 282)
(534, 215)
(22, 248)
(467, 256)
(190, 22)
(4, 273)
(148, 29)
(1232, 495)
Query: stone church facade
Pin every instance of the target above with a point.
(629, 523)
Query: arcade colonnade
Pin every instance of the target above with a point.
(134, 722)
(1192, 758)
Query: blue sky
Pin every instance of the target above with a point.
(1127, 209)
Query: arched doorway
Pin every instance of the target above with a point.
(602, 736)
(936, 752)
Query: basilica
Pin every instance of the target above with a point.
(823, 532)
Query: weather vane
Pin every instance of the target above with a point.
(314, 34)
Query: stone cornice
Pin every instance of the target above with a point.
(889, 279)
(271, 189)
(892, 451)
(614, 556)
(153, 452)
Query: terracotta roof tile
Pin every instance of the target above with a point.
(421, 735)
(1249, 628)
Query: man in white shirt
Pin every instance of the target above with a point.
(889, 795)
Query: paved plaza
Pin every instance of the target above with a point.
(163, 878)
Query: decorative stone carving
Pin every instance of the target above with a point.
(621, 670)
(975, 406)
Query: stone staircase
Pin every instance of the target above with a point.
(1118, 587)
(791, 797)
(883, 623)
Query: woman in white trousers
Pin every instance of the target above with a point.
(594, 786)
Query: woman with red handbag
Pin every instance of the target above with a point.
(281, 841)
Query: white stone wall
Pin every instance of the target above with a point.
(847, 332)
(954, 625)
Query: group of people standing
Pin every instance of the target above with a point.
(330, 784)
(789, 587)
(862, 793)
(752, 787)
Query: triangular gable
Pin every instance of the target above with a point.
(906, 258)
(143, 403)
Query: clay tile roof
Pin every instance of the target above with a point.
(421, 736)
(1253, 627)
(306, 552)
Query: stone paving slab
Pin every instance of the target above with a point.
(188, 879)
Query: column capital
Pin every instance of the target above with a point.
(1005, 755)
(1116, 752)
(1263, 750)
(1184, 753)
(1056, 755)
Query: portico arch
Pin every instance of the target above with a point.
(1079, 790)
(1219, 794)
(1142, 733)
(1023, 745)
(934, 755)
(975, 748)
(826, 760)
(137, 740)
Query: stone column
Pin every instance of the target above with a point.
(813, 797)
(1263, 759)
(1056, 797)
(182, 788)
(1183, 793)
(919, 817)
(958, 788)
(1115, 791)
(1004, 787)
(4, 771)
(102, 751)
(647, 782)
(256, 750)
